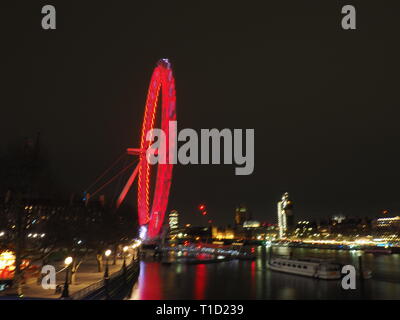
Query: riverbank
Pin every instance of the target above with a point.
(86, 276)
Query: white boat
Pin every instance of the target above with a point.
(314, 268)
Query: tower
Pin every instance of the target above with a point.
(242, 214)
(285, 216)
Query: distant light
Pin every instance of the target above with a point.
(107, 253)
(7, 259)
(80, 241)
(125, 248)
(2, 233)
(136, 243)
(142, 232)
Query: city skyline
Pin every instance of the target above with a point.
(333, 155)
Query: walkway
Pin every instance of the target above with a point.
(87, 274)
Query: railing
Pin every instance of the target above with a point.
(81, 294)
(116, 287)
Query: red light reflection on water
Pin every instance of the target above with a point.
(200, 282)
(149, 278)
(253, 270)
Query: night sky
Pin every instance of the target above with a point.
(324, 102)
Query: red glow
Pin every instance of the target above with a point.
(153, 287)
(204, 213)
(200, 282)
(253, 272)
(162, 79)
(202, 207)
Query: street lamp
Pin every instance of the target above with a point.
(65, 293)
(125, 249)
(106, 277)
(107, 254)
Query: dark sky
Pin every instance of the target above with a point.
(324, 102)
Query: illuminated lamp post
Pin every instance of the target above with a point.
(65, 293)
(125, 249)
(107, 254)
(106, 274)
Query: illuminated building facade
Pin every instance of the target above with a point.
(285, 216)
(251, 224)
(338, 219)
(173, 220)
(387, 228)
(304, 229)
(391, 223)
(222, 233)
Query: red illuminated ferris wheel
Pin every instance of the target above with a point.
(152, 200)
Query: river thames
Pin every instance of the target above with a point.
(245, 279)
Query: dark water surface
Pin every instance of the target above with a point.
(253, 280)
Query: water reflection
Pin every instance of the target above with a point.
(153, 271)
(200, 281)
(252, 280)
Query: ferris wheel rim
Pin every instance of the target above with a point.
(151, 211)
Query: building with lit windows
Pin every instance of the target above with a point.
(338, 219)
(387, 227)
(388, 222)
(251, 224)
(222, 233)
(285, 216)
(305, 229)
(173, 220)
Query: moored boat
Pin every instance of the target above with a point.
(314, 268)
